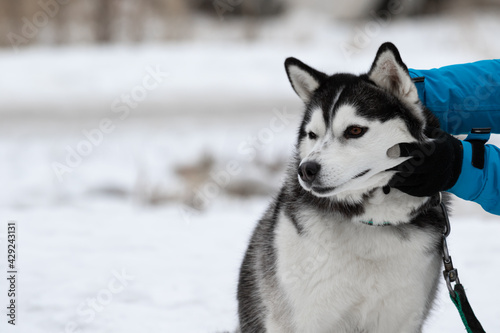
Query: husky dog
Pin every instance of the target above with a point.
(338, 250)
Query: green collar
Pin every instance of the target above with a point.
(371, 223)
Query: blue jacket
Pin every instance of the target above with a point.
(463, 97)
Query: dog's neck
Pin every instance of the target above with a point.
(392, 208)
(389, 207)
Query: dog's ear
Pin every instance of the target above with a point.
(304, 79)
(389, 72)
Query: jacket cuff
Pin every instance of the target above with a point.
(471, 181)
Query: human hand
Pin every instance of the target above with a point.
(434, 165)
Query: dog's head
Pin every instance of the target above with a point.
(353, 123)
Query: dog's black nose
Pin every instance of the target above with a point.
(308, 171)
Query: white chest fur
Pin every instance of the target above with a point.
(343, 276)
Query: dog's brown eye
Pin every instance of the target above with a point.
(354, 132)
(312, 135)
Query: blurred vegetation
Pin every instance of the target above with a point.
(25, 22)
(55, 22)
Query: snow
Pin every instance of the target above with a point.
(184, 271)
(121, 211)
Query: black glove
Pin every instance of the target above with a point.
(435, 165)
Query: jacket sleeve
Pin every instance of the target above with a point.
(480, 185)
(462, 96)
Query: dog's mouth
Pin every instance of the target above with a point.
(362, 173)
(325, 191)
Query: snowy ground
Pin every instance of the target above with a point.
(181, 275)
(120, 209)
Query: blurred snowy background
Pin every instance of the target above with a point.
(142, 139)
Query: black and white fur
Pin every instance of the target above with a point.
(313, 265)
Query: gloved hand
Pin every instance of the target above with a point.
(434, 166)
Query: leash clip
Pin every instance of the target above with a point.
(450, 273)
